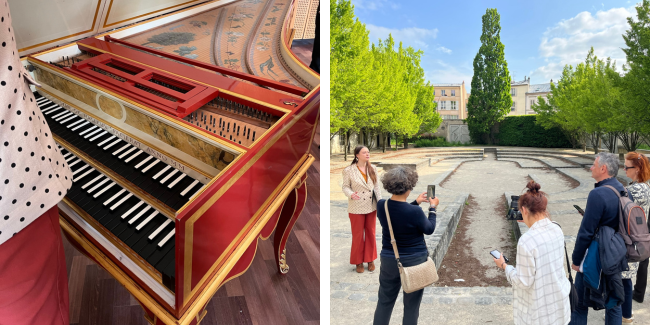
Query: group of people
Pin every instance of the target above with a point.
(540, 285)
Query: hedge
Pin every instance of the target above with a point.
(521, 131)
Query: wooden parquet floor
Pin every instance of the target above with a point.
(259, 296)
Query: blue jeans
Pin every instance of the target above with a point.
(613, 316)
(389, 287)
(627, 305)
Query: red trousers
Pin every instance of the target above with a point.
(363, 250)
(33, 276)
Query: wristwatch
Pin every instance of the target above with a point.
(432, 208)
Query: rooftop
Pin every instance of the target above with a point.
(539, 88)
(447, 85)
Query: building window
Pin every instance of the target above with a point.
(512, 109)
(453, 105)
(434, 92)
(453, 92)
(449, 117)
(442, 92)
(513, 92)
(532, 102)
(442, 104)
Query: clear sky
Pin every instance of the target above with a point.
(540, 37)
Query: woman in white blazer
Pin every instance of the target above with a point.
(361, 186)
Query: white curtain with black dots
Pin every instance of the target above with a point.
(33, 173)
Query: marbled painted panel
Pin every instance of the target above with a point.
(187, 143)
(67, 87)
(111, 107)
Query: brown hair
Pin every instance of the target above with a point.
(371, 171)
(641, 163)
(534, 200)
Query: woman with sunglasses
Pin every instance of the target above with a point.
(638, 169)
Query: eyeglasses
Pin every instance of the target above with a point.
(626, 167)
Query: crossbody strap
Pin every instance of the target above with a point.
(566, 255)
(392, 236)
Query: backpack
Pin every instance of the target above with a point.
(633, 226)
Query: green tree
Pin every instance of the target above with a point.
(586, 101)
(636, 82)
(490, 101)
(350, 62)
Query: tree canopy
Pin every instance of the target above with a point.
(377, 88)
(490, 101)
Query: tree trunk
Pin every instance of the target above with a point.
(597, 146)
(347, 145)
(386, 137)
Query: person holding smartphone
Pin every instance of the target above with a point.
(361, 187)
(409, 227)
(540, 286)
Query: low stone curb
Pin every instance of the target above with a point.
(432, 295)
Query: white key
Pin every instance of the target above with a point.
(146, 221)
(172, 184)
(60, 114)
(97, 136)
(88, 130)
(83, 175)
(63, 117)
(162, 171)
(169, 235)
(91, 182)
(98, 185)
(80, 169)
(135, 207)
(120, 150)
(74, 163)
(189, 187)
(112, 144)
(143, 162)
(93, 133)
(40, 100)
(75, 123)
(78, 126)
(105, 141)
(104, 190)
(45, 110)
(157, 231)
(67, 155)
(56, 108)
(137, 216)
(134, 155)
(151, 165)
(118, 194)
(168, 176)
(69, 119)
(127, 152)
(69, 159)
(121, 201)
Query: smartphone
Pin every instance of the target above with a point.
(582, 212)
(496, 254)
(431, 191)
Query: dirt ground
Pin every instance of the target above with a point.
(459, 257)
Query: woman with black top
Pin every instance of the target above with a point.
(409, 227)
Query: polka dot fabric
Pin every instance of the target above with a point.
(33, 173)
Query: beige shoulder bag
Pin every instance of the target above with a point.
(415, 277)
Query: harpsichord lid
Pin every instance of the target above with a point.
(41, 25)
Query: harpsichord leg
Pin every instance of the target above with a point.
(293, 206)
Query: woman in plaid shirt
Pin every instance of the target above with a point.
(540, 286)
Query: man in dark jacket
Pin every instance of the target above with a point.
(601, 210)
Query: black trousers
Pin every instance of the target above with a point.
(390, 286)
(641, 281)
